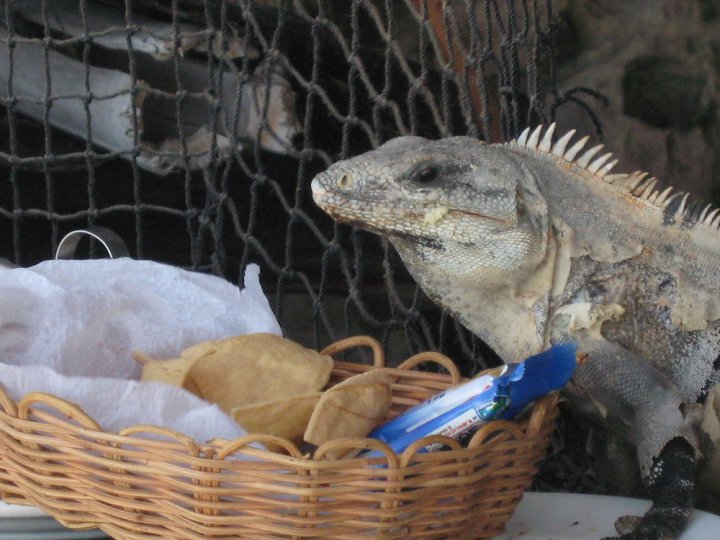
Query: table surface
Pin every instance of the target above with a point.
(539, 516)
(571, 516)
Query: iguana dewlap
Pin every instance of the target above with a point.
(533, 242)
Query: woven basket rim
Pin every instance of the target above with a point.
(168, 485)
(76, 420)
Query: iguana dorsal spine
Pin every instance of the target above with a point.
(637, 184)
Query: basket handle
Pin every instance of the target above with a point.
(136, 431)
(6, 402)
(69, 410)
(487, 432)
(358, 341)
(246, 441)
(58, 404)
(431, 356)
(351, 444)
(541, 410)
(421, 443)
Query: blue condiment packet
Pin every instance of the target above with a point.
(505, 397)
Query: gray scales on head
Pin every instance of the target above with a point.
(534, 242)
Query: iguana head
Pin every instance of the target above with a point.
(455, 202)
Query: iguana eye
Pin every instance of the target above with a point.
(345, 181)
(425, 174)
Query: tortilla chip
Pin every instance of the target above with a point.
(201, 349)
(353, 408)
(175, 372)
(255, 368)
(286, 418)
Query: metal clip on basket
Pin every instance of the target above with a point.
(110, 240)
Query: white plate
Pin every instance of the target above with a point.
(64, 534)
(19, 522)
(19, 511)
(570, 516)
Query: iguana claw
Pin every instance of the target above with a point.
(626, 525)
(633, 528)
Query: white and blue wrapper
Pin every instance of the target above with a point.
(505, 397)
(435, 406)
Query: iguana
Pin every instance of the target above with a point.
(533, 242)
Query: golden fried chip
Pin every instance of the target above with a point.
(201, 349)
(175, 372)
(286, 418)
(352, 408)
(258, 367)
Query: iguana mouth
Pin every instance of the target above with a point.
(430, 214)
(478, 215)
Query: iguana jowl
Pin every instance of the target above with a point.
(533, 242)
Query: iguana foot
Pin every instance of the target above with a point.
(627, 524)
(641, 528)
(671, 485)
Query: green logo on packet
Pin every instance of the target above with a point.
(493, 409)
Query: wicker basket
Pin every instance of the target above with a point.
(166, 485)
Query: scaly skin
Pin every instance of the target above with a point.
(528, 244)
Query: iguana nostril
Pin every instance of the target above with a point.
(345, 181)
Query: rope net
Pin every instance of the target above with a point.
(193, 128)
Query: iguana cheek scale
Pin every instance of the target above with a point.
(533, 242)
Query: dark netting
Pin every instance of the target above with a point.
(193, 128)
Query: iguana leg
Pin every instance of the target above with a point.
(670, 484)
(632, 390)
